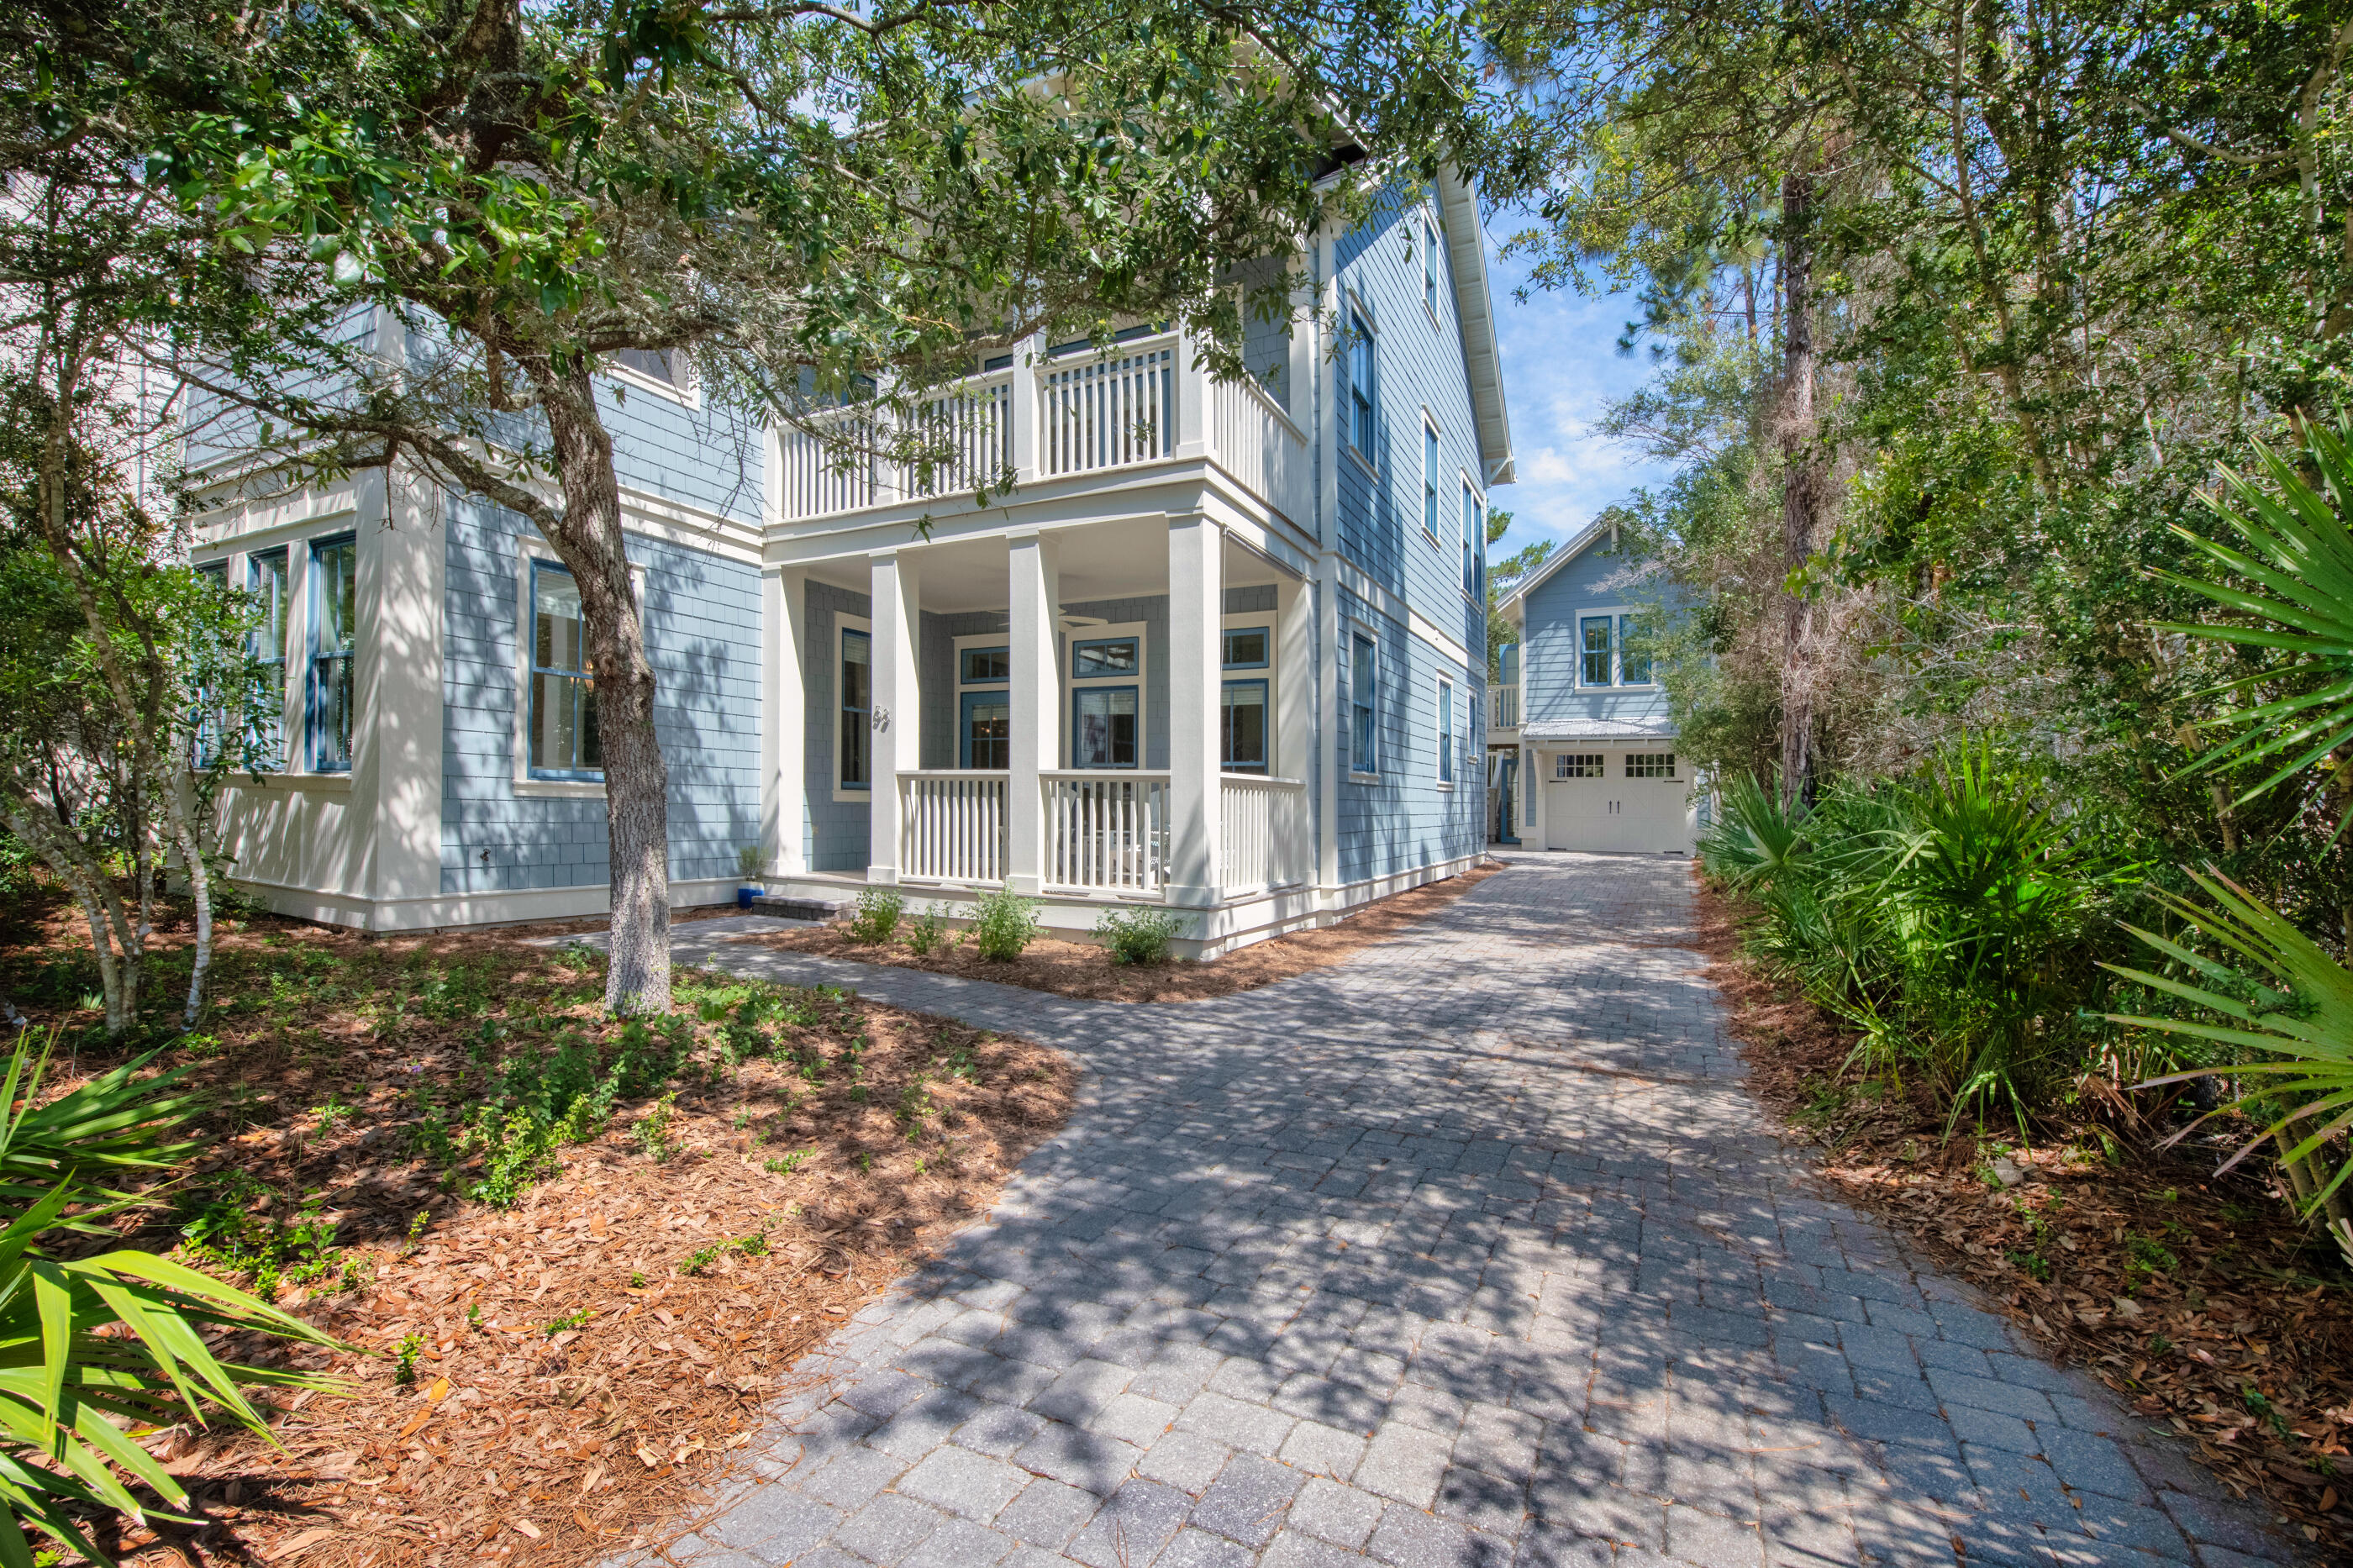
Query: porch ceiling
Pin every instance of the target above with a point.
(1124, 559)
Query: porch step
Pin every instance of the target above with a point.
(821, 910)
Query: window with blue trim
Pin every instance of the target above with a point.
(1475, 544)
(1103, 727)
(1446, 731)
(984, 708)
(1429, 268)
(1107, 656)
(1429, 482)
(334, 651)
(265, 580)
(1634, 653)
(564, 743)
(205, 748)
(1362, 392)
(1247, 646)
(856, 751)
(1364, 694)
(1243, 729)
(1594, 633)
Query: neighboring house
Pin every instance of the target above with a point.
(1223, 650)
(1583, 748)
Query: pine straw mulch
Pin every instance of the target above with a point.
(2198, 1298)
(588, 1356)
(1085, 970)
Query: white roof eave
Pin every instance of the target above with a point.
(1474, 306)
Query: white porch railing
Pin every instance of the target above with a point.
(1106, 830)
(1103, 412)
(842, 469)
(952, 827)
(1256, 442)
(1503, 703)
(1262, 836)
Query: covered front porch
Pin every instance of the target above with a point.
(1105, 713)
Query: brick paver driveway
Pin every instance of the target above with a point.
(1471, 1250)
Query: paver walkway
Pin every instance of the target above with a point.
(1469, 1250)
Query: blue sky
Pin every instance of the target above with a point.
(1561, 365)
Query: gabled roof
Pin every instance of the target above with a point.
(1474, 306)
(1559, 558)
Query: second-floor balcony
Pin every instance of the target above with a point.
(1504, 705)
(1048, 418)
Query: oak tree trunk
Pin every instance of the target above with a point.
(587, 537)
(1802, 483)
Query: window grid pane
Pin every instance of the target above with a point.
(333, 575)
(1596, 630)
(1445, 733)
(1650, 765)
(1102, 727)
(1363, 694)
(1429, 482)
(857, 710)
(563, 742)
(1633, 654)
(1242, 726)
(1579, 767)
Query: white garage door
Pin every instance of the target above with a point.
(1612, 811)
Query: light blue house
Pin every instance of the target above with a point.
(1582, 748)
(1222, 649)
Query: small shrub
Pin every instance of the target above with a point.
(404, 1355)
(927, 932)
(1005, 924)
(652, 1130)
(1137, 936)
(785, 1164)
(747, 862)
(877, 919)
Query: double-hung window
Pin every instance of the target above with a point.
(1446, 731)
(1429, 268)
(983, 707)
(1634, 653)
(1364, 698)
(1363, 394)
(264, 579)
(1595, 640)
(1107, 702)
(1475, 544)
(856, 751)
(564, 743)
(207, 744)
(1242, 709)
(1429, 480)
(334, 650)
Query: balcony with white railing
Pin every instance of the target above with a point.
(1262, 833)
(1072, 414)
(1503, 703)
(952, 827)
(1106, 832)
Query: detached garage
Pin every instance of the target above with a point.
(1614, 786)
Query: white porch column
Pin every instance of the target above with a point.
(1534, 771)
(898, 707)
(1035, 696)
(1196, 610)
(1022, 412)
(783, 721)
(1334, 761)
(1294, 636)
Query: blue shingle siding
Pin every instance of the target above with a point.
(706, 458)
(703, 624)
(1401, 818)
(1598, 579)
(837, 834)
(1404, 819)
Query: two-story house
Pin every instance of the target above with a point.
(1582, 746)
(1222, 649)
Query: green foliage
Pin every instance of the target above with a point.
(230, 1226)
(879, 911)
(2298, 561)
(1946, 917)
(927, 931)
(753, 1245)
(1004, 924)
(1139, 935)
(747, 862)
(653, 1129)
(2279, 1006)
(785, 1164)
(404, 1355)
(107, 1344)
